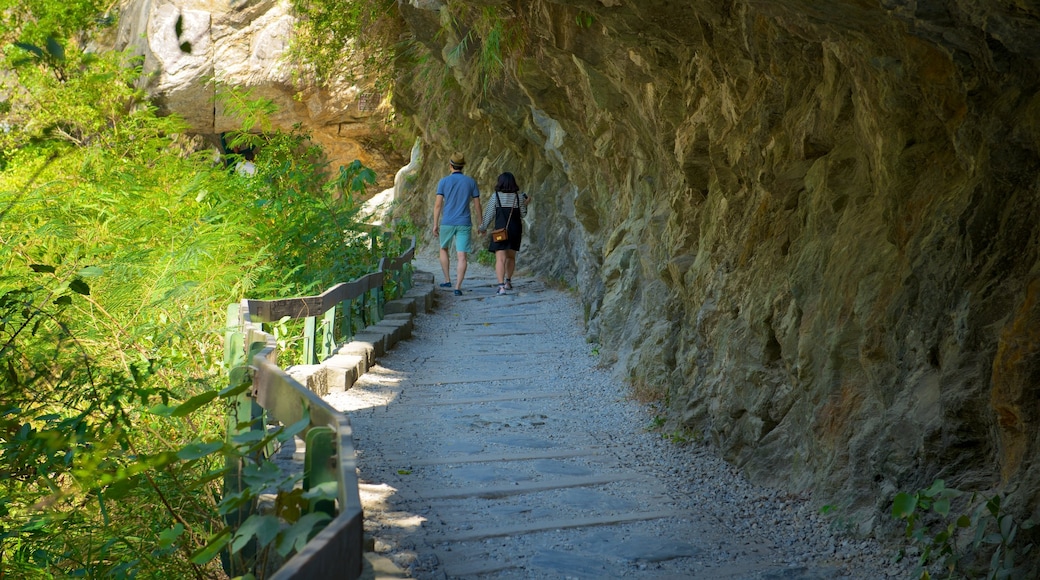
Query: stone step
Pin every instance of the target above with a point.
(555, 524)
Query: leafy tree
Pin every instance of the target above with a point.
(110, 277)
(121, 242)
(33, 22)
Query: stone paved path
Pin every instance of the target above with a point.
(489, 448)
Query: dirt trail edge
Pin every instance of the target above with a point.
(491, 445)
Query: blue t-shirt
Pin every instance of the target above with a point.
(457, 189)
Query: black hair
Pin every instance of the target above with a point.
(507, 183)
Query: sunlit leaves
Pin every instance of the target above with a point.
(210, 551)
(194, 451)
(263, 527)
(168, 537)
(193, 403)
(115, 270)
(333, 35)
(33, 22)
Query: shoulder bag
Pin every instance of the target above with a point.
(502, 234)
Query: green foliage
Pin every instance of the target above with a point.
(949, 542)
(33, 22)
(681, 436)
(485, 257)
(255, 536)
(330, 35)
(121, 243)
(583, 19)
(314, 219)
(108, 271)
(657, 423)
(500, 36)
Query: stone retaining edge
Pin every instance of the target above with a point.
(353, 359)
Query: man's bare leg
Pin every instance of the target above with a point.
(461, 273)
(444, 265)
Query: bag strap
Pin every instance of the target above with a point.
(516, 202)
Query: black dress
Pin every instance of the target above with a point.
(515, 227)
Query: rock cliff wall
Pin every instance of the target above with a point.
(809, 227)
(190, 45)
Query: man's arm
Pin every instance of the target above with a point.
(479, 213)
(438, 207)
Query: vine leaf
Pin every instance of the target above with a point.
(210, 550)
(193, 403)
(79, 287)
(903, 505)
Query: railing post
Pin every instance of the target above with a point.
(376, 304)
(346, 309)
(407, 271)
(328, 333)
(269, 392)
(381, 301)
(309, 332)
(319, 466)
(363, 310)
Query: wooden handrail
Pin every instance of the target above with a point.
(337, 550)
(275, 310)
(303, 307)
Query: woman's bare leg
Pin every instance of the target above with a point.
(500, 266)
(510, 266)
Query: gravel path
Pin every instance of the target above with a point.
(493, 445)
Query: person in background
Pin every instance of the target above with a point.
(505, 209)
(452, 221)
(246, 167)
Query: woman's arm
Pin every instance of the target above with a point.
(489, 214)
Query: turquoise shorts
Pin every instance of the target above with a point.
(459, 233)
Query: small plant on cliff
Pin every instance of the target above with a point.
(941, 537)
(500, 35)
(583, 19)
(657, 423)
(335, 35)
(485, 257)
(684, 436)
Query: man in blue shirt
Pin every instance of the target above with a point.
(451, 217)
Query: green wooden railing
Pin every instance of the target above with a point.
(330, 319)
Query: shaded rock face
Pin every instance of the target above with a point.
(809, 227)
(187, 44)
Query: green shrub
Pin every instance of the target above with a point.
(951, 541)
(121, 243)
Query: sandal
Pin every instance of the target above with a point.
(501, 288)
(446, 285)
(509, 284)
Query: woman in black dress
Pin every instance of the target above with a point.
(505, 209)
